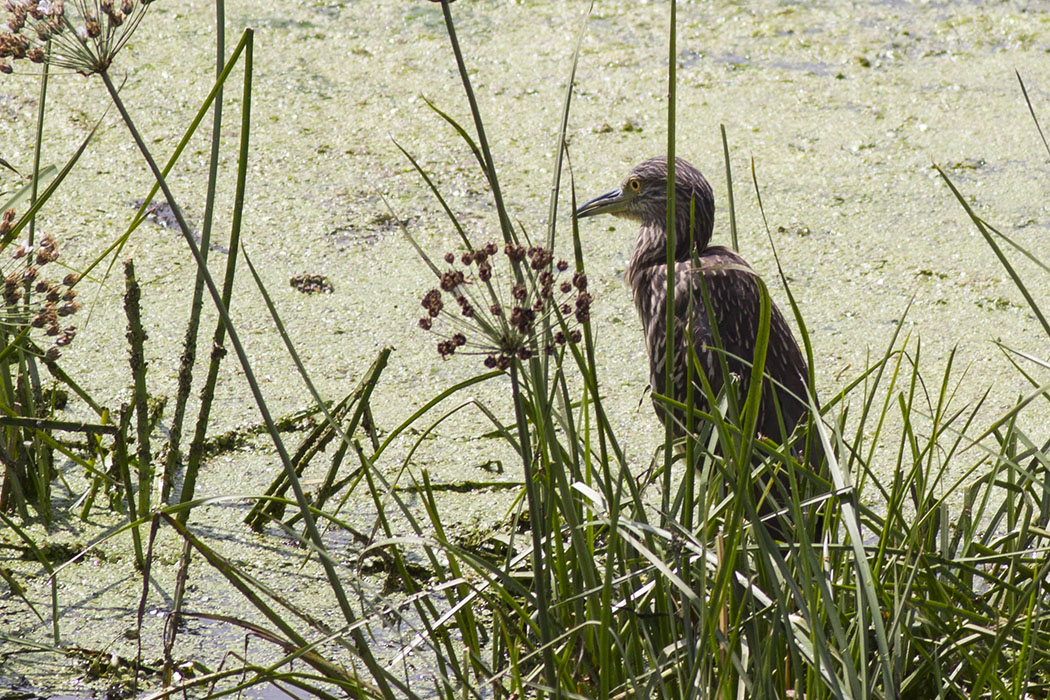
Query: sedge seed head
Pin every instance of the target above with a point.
(500, 319)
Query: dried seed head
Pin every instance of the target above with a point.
(521, 318)
(432, 302)
(583, 307)
(540, 257)
(446, 348)
(67, 336)
(101, 28)
(68, 309)
(46, 254)
(490, 324)
(452, 279)
(515, 252)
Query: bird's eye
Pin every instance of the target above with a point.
(634, 185)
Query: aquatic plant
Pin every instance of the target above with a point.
(489, 323)
(31, 301)
(80, 35)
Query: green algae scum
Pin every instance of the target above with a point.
(313, 385)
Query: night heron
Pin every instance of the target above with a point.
(731, 285)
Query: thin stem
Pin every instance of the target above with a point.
(537, 524)
(136, 341)
(490, 165)
(189, 350)
(379, 674)
(672, 236)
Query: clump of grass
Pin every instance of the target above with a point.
(620, 605)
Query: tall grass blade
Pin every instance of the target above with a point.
(300, 496)
(552, 214)
(28, 190)
(488, 164)
(196, 450)
(189, 350)
(1031, 110)
(998, 252)
(729, 190)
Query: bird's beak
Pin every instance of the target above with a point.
(609, 203)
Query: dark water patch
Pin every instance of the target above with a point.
(161, 214)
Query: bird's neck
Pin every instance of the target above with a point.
(650, 251)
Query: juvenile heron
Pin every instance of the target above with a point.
(731, 286)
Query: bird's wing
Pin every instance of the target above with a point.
(735, 297)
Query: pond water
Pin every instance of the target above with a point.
(840, 109)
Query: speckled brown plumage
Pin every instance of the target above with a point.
(730, 282)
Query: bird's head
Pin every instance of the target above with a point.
(643, 197)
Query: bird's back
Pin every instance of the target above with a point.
(735, 298)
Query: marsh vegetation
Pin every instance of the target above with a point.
(474, 515)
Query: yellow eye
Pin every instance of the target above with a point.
(634, 185)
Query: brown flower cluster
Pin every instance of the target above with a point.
(483, 321)
(32, 300)
(84, 35)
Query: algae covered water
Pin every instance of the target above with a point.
(839, 111)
